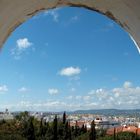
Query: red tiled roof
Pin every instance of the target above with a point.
(130, 129)
(138, 131)
(118, 129)
(78, 123)
(133, 129)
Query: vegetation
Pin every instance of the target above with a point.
(25, 127)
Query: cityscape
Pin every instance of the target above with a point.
(109, 123)
(103, 121)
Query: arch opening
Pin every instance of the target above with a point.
(98, 51)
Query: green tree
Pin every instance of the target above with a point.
(42, 128)
(49, 132)
(64, 117)
(69, 129)
(66, 131)
(83, 129)
(114, 134)
(76, 129)
(55, 137)
(92, 135)
(2, 122)
(30, 130)
(126, 136)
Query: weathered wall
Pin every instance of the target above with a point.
(124, 12)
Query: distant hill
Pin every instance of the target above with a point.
(109, 112)
(106, 112)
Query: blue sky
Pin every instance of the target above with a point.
(69, 59)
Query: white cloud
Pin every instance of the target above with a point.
(117, 94)
(23, 89)
(99, 90)
(118, 97)
(53, 13)
(3, 88)
(23, 43)
(86, 98)
(78, 97)
(127, 84)
(47, 106)
(70, 20)
(25, 103)
(126, 97)
(70, 71)
(53, 91)
(92, 92)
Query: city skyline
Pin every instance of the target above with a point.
(69, 59)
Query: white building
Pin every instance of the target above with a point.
(6, 115)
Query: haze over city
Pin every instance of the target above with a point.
(69, 59)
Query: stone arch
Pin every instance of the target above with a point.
(125, 12)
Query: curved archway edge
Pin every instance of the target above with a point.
(125, 12)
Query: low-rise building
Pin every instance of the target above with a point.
(6, 115)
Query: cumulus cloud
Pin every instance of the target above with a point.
(47, 106)
(53, 91)
(126, 96)
(53, 13)
(127, 84)
(70, 71)
(86, 98)
(22, 45)
(71, 20)
(78, 97)
(91, 92)
(3, 88)
(102, 98)
(23, 89)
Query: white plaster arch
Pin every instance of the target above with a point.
(125, 12)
